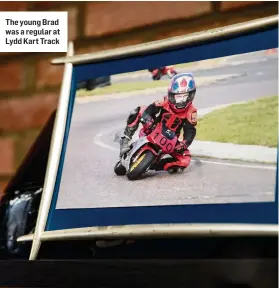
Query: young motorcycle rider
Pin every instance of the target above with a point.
(178, 102)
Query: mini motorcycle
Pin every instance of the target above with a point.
(147, 151)
(158, 73)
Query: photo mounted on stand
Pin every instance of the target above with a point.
(195, 133)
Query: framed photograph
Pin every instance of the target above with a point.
(166, 138)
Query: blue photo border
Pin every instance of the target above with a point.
(238, 213)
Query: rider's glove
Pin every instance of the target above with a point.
(181, 146)
(147, 123)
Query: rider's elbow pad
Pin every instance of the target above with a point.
(134, 114)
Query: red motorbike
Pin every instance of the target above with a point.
(158, 73)
(147, 151)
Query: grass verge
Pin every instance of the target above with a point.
(251, 123)
(123, 87)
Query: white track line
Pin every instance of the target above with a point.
(97, 140)
(240, 165)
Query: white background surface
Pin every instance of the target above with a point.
(39, 25)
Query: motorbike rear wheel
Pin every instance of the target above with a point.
(140, 166)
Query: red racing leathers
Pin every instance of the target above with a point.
(152, 114)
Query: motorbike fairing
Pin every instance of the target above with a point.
(136, 146)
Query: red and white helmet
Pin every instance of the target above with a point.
(181, 91)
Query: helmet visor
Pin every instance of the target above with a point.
(180, 98)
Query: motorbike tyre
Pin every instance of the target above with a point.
(119, 169)
(145, 163)
(157, 76)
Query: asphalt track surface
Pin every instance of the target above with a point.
(88, 179)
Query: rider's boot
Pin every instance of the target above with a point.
(126, 138)
(181, 161)
(175, 169)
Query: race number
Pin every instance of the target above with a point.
(163, 141)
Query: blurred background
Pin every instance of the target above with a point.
(29, 85)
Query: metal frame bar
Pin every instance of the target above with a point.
(133, 50)
(156, 230)
(54, 157)
(165, 230)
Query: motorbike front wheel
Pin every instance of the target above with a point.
(140, 166)
(119, 169)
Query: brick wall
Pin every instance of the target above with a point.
(29, 85)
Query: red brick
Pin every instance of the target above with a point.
(87, 49)
(11, 76)
(231, 5)
(42, 5)
(13, 6)
(72, 21)
(3, 185)
(23, 113)
(6, 156)
(23, 143)
(72, 14)
(112, 17)
(48, 74)
(108, 45)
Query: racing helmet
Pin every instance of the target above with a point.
(181, 91)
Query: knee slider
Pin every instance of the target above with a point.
(185, 161)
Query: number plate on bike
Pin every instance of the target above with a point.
(167, 144)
